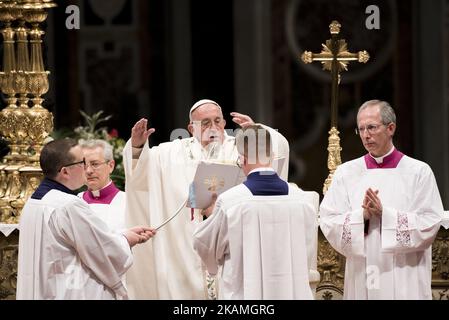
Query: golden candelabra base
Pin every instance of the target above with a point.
(334, 157)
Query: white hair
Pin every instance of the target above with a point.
(386, 111)
(94, 143)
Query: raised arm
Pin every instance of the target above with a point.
(140, 133)
(135, 164)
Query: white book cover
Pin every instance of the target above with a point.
(213, 177)
(210, 178)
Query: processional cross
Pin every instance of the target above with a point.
(335, 58)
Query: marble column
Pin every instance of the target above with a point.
(253, 60)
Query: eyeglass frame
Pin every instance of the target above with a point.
(87, 165)
(207, 122)
(371, 130)
(73, 164)
(238, 162)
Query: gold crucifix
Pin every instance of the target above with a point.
(335, 58)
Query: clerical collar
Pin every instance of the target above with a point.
(46, 186)
(103, 196)
(381, 158)
(388, 161)
(263, 169)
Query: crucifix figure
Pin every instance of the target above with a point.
(335, 58)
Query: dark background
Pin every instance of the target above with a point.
(155, 58)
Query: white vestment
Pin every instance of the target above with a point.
(66, 252)
(113, 213)
(263, 244)
(394, 259)
(167, 267)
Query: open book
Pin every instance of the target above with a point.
(213, 177)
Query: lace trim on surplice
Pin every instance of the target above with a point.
(402, 231)
(347, 237)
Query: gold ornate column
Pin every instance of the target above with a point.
(24, 123)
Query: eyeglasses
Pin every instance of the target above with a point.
(371, 128)
(207, 123)
(95, 165)
(73, 164)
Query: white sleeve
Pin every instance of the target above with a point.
(137, 170)
(105, 253)
(342, 226)
(210, 239)
(416, 228)
(311, 232)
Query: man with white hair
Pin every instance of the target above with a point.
(104, 198)
(157, 184)
(383, 211)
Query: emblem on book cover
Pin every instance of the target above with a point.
(214, 183)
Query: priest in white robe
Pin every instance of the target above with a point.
(102, 195)
(382, 212)
(157, 185)
(65, 251)
(259, 234)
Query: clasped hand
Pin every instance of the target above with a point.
(372, 206)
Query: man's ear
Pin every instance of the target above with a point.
(63, 174)
(392, 128)
(190, 128)
(111, 165)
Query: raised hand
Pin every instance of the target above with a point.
(241, 119)
(140, 134)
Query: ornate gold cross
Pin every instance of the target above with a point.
(335, 58)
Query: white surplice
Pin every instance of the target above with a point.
(394, 260)
(66, 252)
(112, 213)
(157, 184)
(262, 243)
